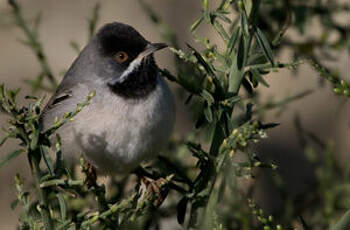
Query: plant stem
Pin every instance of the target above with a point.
(112, 210)
(61, 182)
(44, 209)
(219, 136)
(34, 44)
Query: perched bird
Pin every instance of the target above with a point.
(130, 118)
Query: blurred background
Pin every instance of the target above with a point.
(65, 21)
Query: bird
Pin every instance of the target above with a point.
(131, 117)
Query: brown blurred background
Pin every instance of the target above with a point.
(64, 21)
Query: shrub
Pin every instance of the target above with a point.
(201, 188)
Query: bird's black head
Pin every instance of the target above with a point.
(128, 58)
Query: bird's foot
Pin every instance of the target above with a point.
(156, 189)
(90, 175)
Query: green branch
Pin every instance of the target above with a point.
(33, 42)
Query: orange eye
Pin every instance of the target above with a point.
(121, 56)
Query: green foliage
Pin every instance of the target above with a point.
(198, 183)
(266, 221)
(26, 126)
(340, 87)
(32, 41)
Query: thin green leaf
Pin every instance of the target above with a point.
(12, 94)
(29, 97)
(2, 89)
(208, 97)
(94, 20)
(66, 225)
(233, 100)
(264, 45)
(47, 160)
(63, 206)
(35, 139)
(14, 204)
(166, 73)
(248, 5)
(236, 73)
(205, 5)
(208, 68)
(181, 210)
(222, 4)
(75, 46)
(220, 160)
(221, 31)
(150, 12)
(240, 54)
(257, 76)
(4, 139)
(5, 160)
(25, 42)
(247, 85)
(224, 18)
(208, 114)
(37, 22)
(196, 24)
(233, 40)
(244, 23)
(268, 125)
(343, 223)
(197, 150)
(272, 105)
(276, 41)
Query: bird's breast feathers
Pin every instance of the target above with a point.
(116, 133)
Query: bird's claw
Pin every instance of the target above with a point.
(91, 175)
(156, 189)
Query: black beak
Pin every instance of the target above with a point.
(151, 48)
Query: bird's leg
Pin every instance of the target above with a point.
(91, 182)
(156, 188)
(91, 175)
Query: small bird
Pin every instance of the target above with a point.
(132, 115)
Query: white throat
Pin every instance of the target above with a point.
(132, 66)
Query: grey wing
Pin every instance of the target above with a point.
(60, 103)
